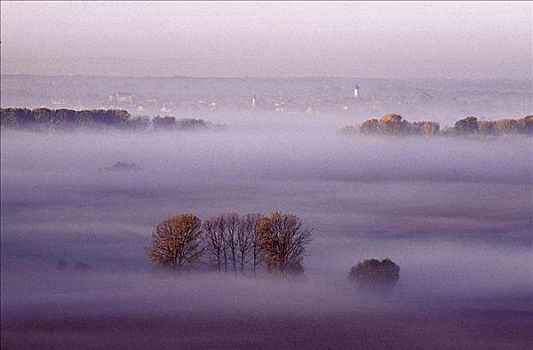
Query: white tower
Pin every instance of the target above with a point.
(254, 101)
(355, 91)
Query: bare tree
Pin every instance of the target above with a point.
(177, 241)
(251, 222)
(220, 223)
(233, 239)
(232, 226)
(283, 242)
(244, 242)
(215, 242)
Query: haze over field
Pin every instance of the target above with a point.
(278, 80)
(454, 214)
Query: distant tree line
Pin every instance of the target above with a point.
(394, 124)
(472, 125)
(25, 118)
(231, 242)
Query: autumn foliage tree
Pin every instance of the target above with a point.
(176, 242)
(394, 124)
(283, 241)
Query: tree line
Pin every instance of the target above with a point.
(231, 242)
(473, 125)
(25, 118)
(394, 124)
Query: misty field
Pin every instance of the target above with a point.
(454, 213)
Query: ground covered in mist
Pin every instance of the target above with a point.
(454, 213)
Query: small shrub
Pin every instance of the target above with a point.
(375, 272)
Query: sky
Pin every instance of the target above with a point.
(474, 40)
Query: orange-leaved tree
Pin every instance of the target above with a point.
(177, 241)
(283, 242)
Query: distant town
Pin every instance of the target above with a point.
(439, 100)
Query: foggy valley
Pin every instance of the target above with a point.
(454, 213)
(266, 175)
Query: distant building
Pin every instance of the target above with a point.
(254, 99)
(122, 97)
(356, 91)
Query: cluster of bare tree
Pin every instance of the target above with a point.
(232, 242)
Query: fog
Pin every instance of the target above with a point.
(454, 213)
(276, 81)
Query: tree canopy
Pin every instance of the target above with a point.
(176, 242)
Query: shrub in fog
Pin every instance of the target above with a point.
(177, 242)
(375, 272)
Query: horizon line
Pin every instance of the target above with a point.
(293, 77)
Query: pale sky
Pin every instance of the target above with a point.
(269, 39)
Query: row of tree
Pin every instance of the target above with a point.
(24, 117)
(394, 124)
(66, 119)
(473, 125)
(232, 242)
